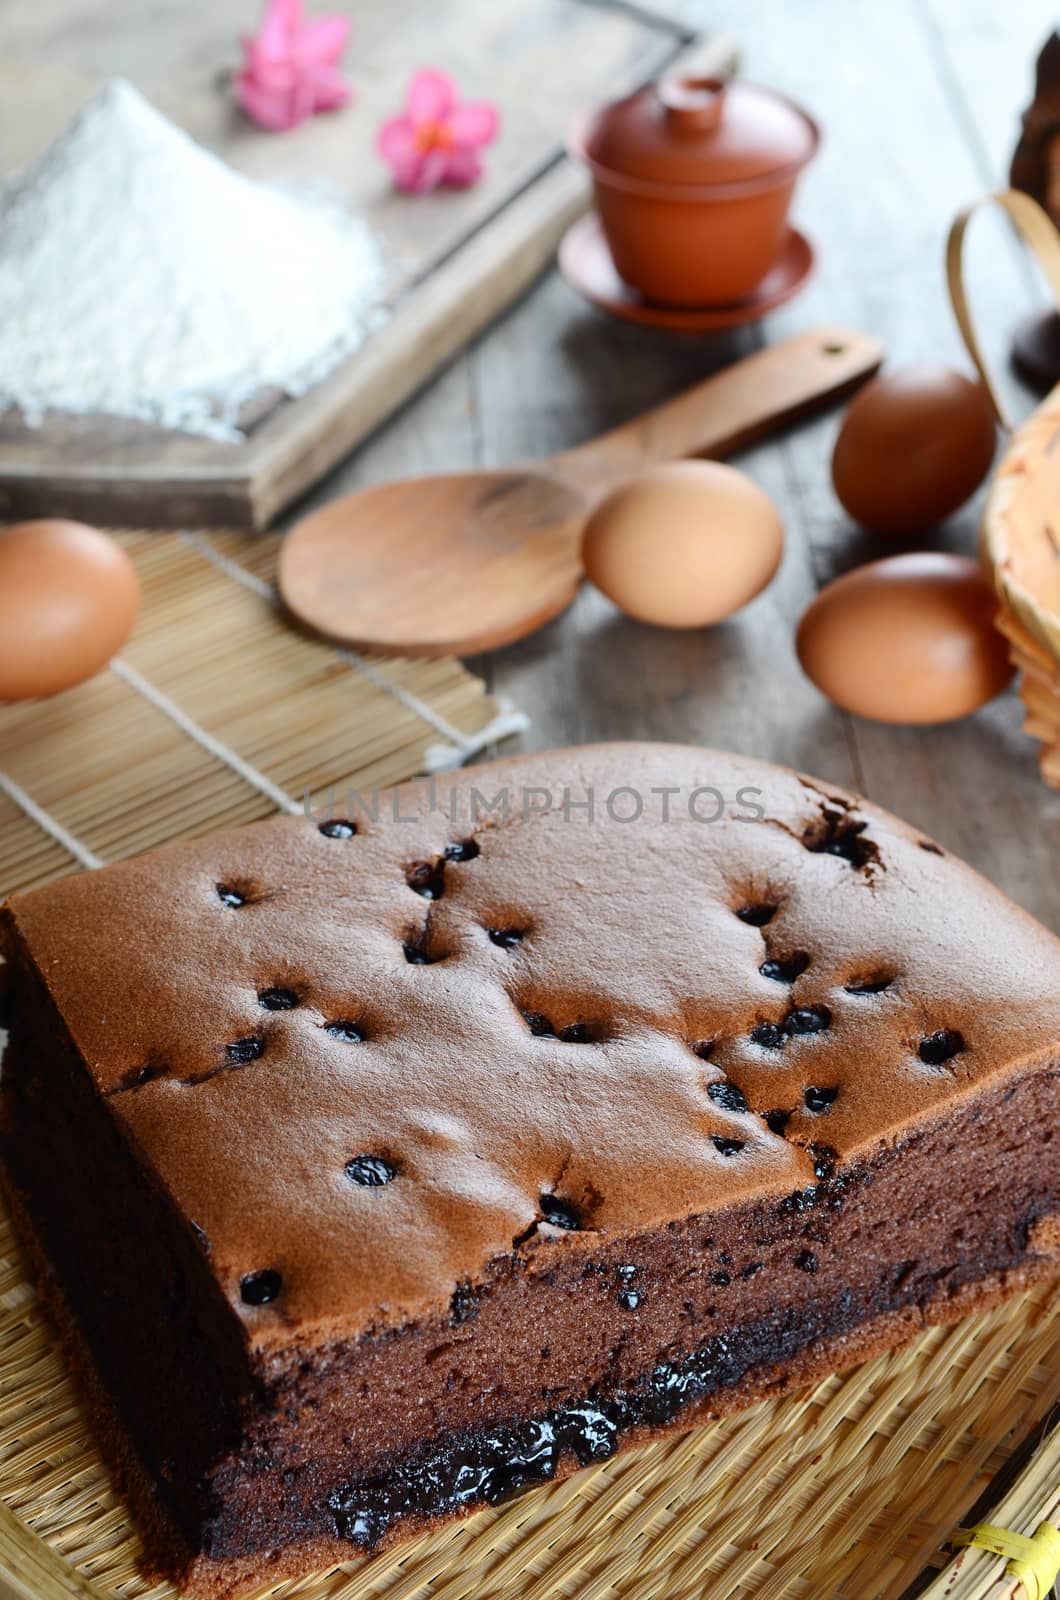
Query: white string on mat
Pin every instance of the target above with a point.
(49, 824)
(187, 724)
(458, 748)
(216, 747)
(444, 757)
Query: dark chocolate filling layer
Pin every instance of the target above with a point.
(491, 1466)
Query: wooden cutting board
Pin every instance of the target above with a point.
(455, 258)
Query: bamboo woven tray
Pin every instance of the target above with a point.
(217, 714)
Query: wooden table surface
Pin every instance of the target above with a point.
(919, 100)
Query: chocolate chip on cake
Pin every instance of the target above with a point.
(337, 828)
(936, 1049)
(260, 1288)
(463, 1306)
(560, 1213)
(727, 1096)
(807, 1019)
(370, 1172)
(785, 969)
(770, 1035)
(277, 999)
(419, 950)
(506, 938)
(539, 1025)
(757, 913)
(818, 1100)
(349, 1032)
(824, 1161)
(836, 832)
(426, 878)
(725, 1146)
(798, 1201)
(463, 850)
(229, 896)
(241, 1051)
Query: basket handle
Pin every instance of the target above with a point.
(1038, 231)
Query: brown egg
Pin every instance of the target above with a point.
(910, 640)
(684, 544)
(68, 600)
(915, 444)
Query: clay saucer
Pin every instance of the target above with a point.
(585, 262)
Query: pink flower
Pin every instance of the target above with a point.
(436, 140)
(291, 66)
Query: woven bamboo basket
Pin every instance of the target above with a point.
(1021, 523)
(850, 1492)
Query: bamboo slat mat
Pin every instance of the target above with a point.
(110, 766)
(843, 1494)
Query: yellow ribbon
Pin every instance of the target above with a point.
(1035, 1562)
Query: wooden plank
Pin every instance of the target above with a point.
(454, 259)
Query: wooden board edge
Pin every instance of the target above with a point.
(219, 500)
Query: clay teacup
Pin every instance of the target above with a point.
(693, 180)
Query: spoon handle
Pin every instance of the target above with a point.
(754, 397)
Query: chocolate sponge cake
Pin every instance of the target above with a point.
(382, 1164)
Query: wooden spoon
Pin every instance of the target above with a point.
(450, 565)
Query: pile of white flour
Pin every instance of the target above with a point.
(141, 277)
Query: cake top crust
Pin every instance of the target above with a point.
(371, 1051)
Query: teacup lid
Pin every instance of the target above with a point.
(702, 131)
